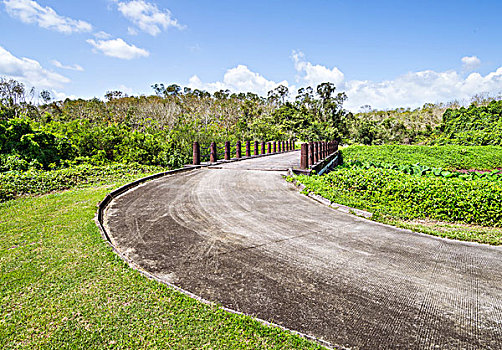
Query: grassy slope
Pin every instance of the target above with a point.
(446, 157)
(62, 287)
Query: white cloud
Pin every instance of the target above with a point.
(313, 75)
(417, 88)
(68, 67)
(118, 48)
(409, 90)
(238, 79)
(102, 35)
(470, 62)
(29, 11)
(28, 71)
(413, 89)
(147, 16)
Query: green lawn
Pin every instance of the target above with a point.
(63, 288)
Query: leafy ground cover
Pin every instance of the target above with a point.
(466, 210)
(63, 288)
(33, 181)
(451, 157)
(389, 182)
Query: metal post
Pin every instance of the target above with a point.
(213, 157)
(248, 149)
(316, 152)
(256, 148)
(336, 146)
(262, 147)
(238, 149)
(275, 147)
(311, 153)
(304, 153)
(293, 143)
(269, 147)
(283, 146)
(196, 153)
(279, 146)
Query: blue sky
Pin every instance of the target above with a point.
(382, 53)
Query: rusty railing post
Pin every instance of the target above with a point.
(255, 148)
(248, 149)
(279, 146)
(304, 154)
(269, 147)
(213, 156)
(238, 149)
(287, 146)
(275, 147)
(293, 144)
(262, 147)
(311, 153)
(196, 153)
(316, 152)
(283, 146)
(227, 150)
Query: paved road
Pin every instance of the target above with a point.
(242, 236)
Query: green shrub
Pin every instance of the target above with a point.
(449, 157)
(476, 125)
(391, 192)
(33, 181)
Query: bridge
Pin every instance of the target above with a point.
(236, 233)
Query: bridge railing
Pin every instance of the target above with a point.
(216, 152)
(317, 155)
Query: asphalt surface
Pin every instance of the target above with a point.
(240, 235)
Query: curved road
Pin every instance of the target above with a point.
(239, 235)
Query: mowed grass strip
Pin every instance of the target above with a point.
(450, 157)
(63, 288)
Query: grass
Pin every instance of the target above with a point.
(62, 287)
(457, 231)
(446, 157)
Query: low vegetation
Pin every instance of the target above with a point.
(450, 157)
(63, 288)
(18, 183)
(401, 191)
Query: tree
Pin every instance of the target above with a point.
(110, 95)
(46, 96)
(278, 95)
(173, 90)
(160, 89)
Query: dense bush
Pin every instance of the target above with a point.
(22, 146)
(447, 157)
(476, 125)
(33, 181)
(393, 193)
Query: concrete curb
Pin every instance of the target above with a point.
(368, 215)
(327, 202)
(98, 219)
